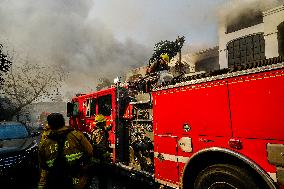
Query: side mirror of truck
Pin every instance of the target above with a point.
(69, 109)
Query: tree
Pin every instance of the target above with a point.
(5, 63)
(104, 83)
(170, 47)
(6, 108)
(31, 83)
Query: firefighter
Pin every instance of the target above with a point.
(162, 68)
(45, 133)
(63, 156)
(160, 65)
(100, 137)
(101, 148)
(45, 127)
(44, 136)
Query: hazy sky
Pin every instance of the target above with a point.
(91, 39)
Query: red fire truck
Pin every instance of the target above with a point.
(223, 129)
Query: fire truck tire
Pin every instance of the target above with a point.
(224, 176)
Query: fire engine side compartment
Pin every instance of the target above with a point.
(257, 105)
(204, 108)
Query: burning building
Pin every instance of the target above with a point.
(252, 35)
(206, 60)
(248, 34)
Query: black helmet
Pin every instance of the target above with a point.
(55, 120)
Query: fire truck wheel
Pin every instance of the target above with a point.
(224, 176)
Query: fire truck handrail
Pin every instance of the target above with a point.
(140, 102)
(148, 120)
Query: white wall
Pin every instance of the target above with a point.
(272, 18)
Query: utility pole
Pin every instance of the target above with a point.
(179, 65)
(179, 53)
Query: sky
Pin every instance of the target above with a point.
(91, 39)
(148, 21)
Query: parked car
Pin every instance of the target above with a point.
(18, 153)
(35, 130)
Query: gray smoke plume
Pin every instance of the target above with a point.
(62, 33)
(235, 10)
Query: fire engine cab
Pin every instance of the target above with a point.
(223, 129)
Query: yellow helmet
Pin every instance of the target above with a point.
(46, 127)
(165, 57)
(100, 118)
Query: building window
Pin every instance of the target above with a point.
(246, 50)
(280, 37)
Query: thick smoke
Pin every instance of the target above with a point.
(63, 34)
(233, 11)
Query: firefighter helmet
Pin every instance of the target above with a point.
(165, 57)
(100, 118)
(55, 120)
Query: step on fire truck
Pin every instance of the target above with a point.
(223, 129)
